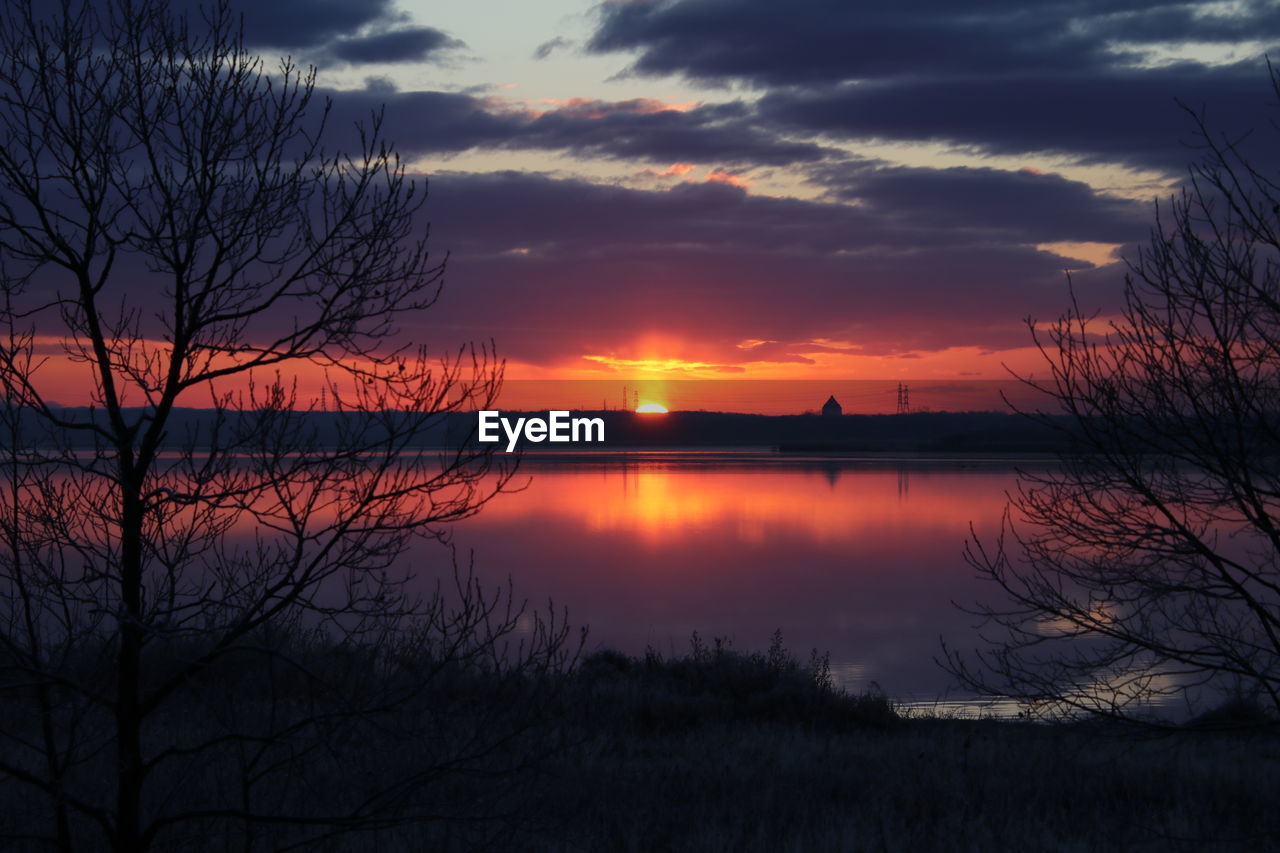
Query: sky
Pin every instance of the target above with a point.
(750, 189)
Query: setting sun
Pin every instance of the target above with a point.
(651, 409)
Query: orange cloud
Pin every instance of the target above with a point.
(676, 170)
(663, 366)
(732, 180)
(508, 107)
(798, 361)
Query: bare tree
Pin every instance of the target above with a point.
(209, 633)
(1145, 570)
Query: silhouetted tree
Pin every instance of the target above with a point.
(208, 631)
(1147, 567)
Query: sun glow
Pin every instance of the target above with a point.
(651, 409)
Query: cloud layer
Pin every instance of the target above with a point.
(562, 269)
(1080, 78)
(690, 261)
(342, 31)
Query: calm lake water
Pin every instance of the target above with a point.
(861, 558)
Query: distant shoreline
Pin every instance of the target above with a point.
(765, 455)
(918, 435)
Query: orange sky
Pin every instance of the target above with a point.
(945, 381)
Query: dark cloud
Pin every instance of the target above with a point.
(1060, 77)
(301, 23)
(424, 122)
(351, 31)
(443, 123)
(824, 41)
(1022, 205)
(1130, 117)
(715, 133)
(1068, 77)
(903, 210)
(555, 269)
(1190, 22)
(817, 41)
(545, 49)
(413, 44)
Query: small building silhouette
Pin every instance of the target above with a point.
(831, 409)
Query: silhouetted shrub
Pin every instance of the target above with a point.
(1238, 712)
(716, 684)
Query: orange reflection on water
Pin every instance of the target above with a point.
(824, 504)
(861, 558)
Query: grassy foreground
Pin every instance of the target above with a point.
(721, 751)
(713, 750)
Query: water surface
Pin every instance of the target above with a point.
(861, 558)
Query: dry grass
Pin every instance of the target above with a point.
(723, 751)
